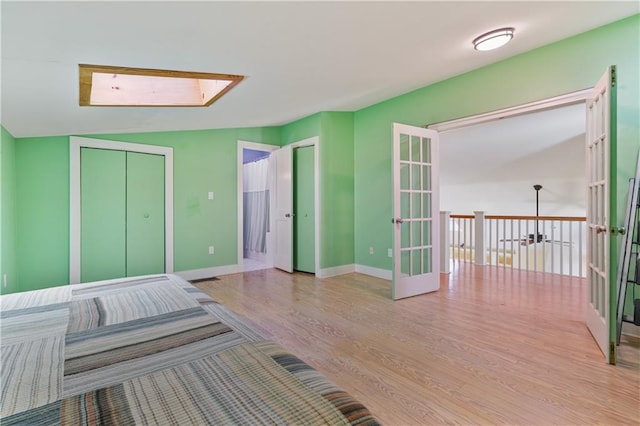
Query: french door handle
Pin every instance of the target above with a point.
(289, 214)
(397, 220)
(601, 229)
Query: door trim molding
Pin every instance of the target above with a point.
(76, 143)
(539, 105)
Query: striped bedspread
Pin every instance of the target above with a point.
(152, 351)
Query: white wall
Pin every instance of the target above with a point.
(493, 167)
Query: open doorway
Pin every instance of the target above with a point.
(255, 209)
(255, 239)
(277, 206)
(519, 167)
(600, 143)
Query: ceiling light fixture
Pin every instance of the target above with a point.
(493, 39)
(102, 85)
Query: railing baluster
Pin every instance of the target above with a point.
(511, 237)
(497, 242)
(452, 237)
(527, 245)
(535, 247)
(504, 243)
(460, 241)
(470, 244)
(490, 241)
(553, 244)
(464, 239)
(561, 251)
(544, 246)
(457, 237)
(581, 229)
(570, 248)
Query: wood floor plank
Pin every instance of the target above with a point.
(492, 346)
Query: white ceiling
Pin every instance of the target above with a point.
(299, 57)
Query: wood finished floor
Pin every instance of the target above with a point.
(492, 346)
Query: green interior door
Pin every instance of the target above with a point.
(304, 208)
(145, 214)
(103, 226)
(122, 214)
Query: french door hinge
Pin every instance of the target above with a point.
(613, 77)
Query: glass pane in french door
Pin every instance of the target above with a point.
(415, 205)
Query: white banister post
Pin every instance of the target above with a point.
(445, 250)
(480, 249)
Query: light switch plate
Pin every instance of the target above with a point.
(210, 195)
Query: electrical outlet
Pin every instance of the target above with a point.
(212, 250)
(389, 253)
(370, 250)
(210, 195)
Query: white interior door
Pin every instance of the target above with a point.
(283, 257)
(599, 144)
(416, 200)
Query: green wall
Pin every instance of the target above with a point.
(201, 164)
(7, 212)
(337, 189)
(42, 166)
(566, 66)
(335, 131)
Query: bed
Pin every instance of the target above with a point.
(152, 350)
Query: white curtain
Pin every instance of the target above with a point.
(256, 206)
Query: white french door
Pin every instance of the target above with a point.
(416, 201)
(600, 223)
(283, 258)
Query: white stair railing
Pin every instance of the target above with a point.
(552, 244)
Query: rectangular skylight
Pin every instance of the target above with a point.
(102, 85)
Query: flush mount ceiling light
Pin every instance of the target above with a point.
(493, 39)
(102, 85)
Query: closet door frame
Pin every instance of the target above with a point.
(75, 145)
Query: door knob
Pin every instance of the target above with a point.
(600, 229)
(397, 220)
(620, 230)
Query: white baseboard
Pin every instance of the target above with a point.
(215, 271)
(630, 329)
(197, 274)
(335, 271)
(385, 274)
